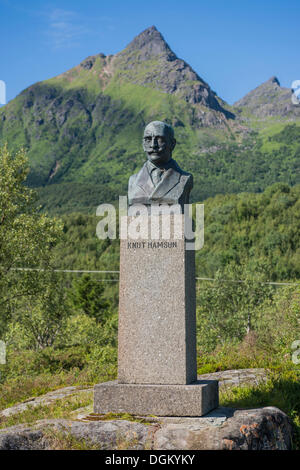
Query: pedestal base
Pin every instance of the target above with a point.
(195, 399)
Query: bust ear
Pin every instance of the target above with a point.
(173, 143)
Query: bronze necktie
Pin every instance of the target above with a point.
(156, 176)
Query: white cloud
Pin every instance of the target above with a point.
(60, 14)
(64, 28)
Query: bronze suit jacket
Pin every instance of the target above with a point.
(173, 188)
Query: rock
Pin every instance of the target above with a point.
(89, 62)
(22, 438)
(114, 434)
(150, 43)
(227, 429)
(43, 400)
(222, 429)
(81, 413)
(237, 377)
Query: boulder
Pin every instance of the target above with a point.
(227, 429)
(222, 429)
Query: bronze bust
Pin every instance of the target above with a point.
(160, 180)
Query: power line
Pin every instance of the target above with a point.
(90, 271)
(80, 271)
(243, 281)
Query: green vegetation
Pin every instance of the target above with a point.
(228, 308)
(86, 294)
(26, 237)
(266, 342)
(253, 229)
(123, 416)
(62, 441)
(66, 198)
(234, 168)
(246, 229)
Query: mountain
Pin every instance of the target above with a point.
(82, 129)
(85, 125)
(155, 65)
(269, 100)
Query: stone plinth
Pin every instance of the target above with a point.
(157, 369)
(157, 319)
(194, 399)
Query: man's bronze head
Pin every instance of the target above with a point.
(159, 142)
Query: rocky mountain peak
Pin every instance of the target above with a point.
(150, 43)
(269, 99)
(273, 80)
(149, 61)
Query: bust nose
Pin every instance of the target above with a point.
(154, 142)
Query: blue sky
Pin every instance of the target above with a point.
(233, 45)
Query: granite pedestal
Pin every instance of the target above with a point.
(194, 399)
(157, 369)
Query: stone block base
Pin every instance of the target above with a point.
(195, 399)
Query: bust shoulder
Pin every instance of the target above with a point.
(180, 170)
(132, 179)
(185, 177)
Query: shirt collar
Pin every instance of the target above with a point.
(166, 166)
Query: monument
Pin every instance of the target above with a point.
(157, 369)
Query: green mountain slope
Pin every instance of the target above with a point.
(82, 129)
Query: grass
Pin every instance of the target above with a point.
(243, 355)
(63, 408)
(62, 441)
(79, 77)
(19, 389)
(16, 390)
(267, 133)
(281, 390)
(119, 416)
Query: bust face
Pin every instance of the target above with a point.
(158, 142)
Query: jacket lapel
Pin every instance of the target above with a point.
(144, 180)
(169, 180)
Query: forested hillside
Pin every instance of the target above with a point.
(244, 229)
(250, 167)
